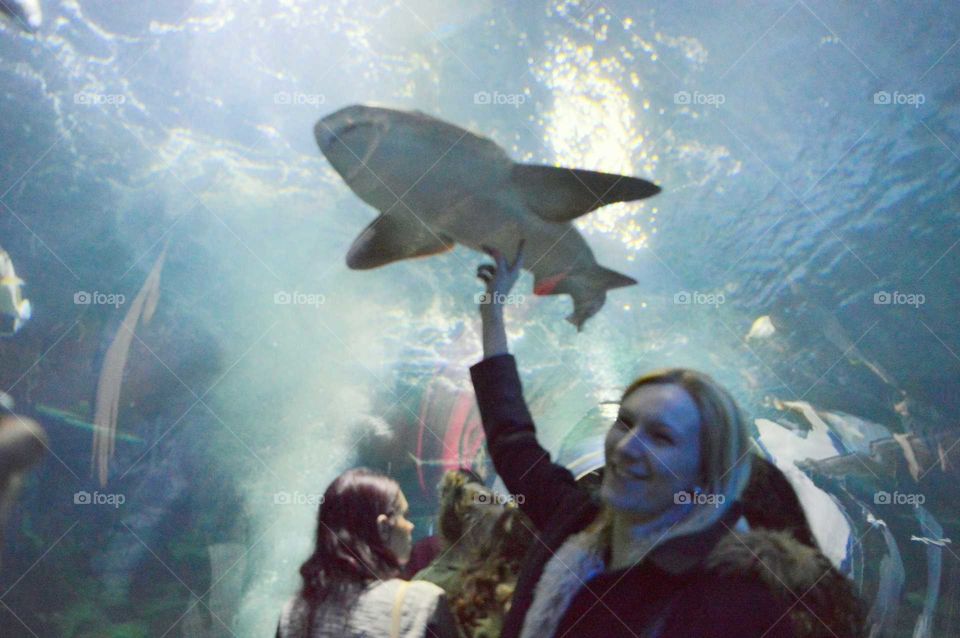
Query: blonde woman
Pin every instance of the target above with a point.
(661, 552)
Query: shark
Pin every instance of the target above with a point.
(27, 12)
(437, 185)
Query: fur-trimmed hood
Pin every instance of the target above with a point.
(823, 600)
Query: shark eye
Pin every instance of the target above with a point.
(346, 129)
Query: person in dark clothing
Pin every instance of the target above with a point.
(423, 553)
(660, 552)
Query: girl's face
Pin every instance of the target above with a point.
(652, 451)
(397, 532)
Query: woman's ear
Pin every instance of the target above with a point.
(383, 525)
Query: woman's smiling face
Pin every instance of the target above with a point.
(652, 451)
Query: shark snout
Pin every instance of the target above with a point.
(349, 137)
(338, 123)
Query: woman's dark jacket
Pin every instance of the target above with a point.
(731, 591)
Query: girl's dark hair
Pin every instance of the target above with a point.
(349, 549)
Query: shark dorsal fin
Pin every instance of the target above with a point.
(563, 194)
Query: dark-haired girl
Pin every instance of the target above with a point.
(350, 584)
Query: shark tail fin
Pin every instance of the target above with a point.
(563, 194)
(590, 292)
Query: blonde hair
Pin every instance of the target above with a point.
(456, 510)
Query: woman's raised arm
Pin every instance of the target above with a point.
(535, 483)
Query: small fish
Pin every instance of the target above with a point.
(761, 328)
(12, 303)
(944, 462)
(906, 443)
(835, 333)
(940, 542)
(419, 461)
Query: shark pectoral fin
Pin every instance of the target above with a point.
(390, 238)
(563, 194)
